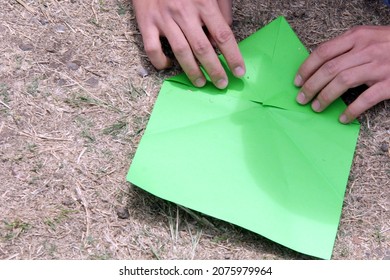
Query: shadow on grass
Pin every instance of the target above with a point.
(148, 208)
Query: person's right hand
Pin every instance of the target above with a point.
(182, 22)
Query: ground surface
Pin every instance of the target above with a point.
(74, 104)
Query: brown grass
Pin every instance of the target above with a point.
(74, 101)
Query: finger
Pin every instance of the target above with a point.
(327, 72)
(211, 39)
(153, 48)
(322, 54)
(368, 99)
(225, 40)
(204, 52)
(183, 53)
(345, 80)
(226, 9)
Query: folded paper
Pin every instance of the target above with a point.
(250, 155)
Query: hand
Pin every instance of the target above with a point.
(359, 56)
(181, 22)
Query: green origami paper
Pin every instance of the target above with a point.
(250, 155)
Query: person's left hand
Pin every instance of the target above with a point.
(359, 56)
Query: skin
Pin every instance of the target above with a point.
(182, 22)
(359, 56)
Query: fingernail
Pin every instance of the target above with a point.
(222, 83)
(200, 82)
(301, 98)
(298, 80)
(343, 119)
(316, 106)
(239, 71)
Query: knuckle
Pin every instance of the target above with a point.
(193, 73)
(151, 50)
(346, 79)
(382, 93)
(175, 7)
(323, 51)
(352, 111)
(370, 98)
(374, 52)
(325, 98)
(304, 71)
(201, 48)
(331, 68)
(201, 3)
(216, 74)
(223, 36)
(358, 31)
(180, 49)
(309, 88)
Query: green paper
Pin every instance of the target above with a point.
(250, 155)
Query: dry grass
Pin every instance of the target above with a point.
(73, 105)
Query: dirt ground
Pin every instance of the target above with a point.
(76, 92)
